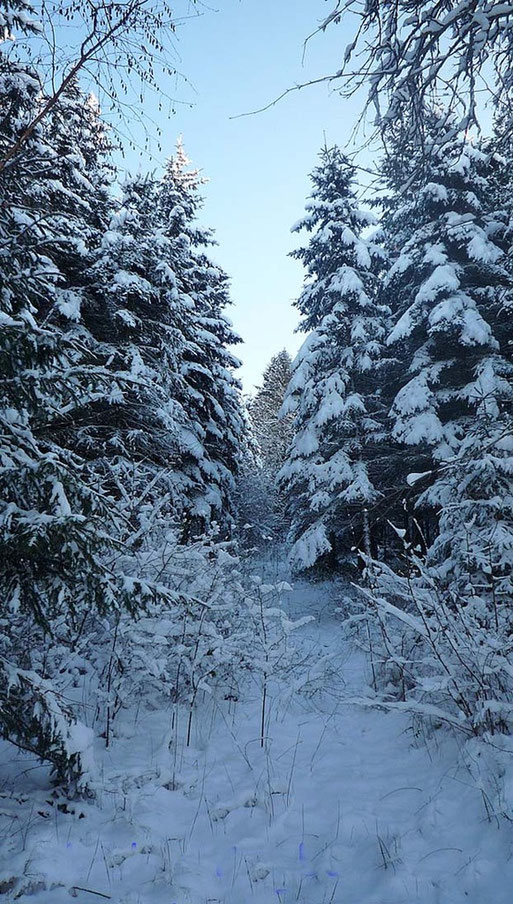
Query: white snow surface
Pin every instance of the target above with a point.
(344, 804)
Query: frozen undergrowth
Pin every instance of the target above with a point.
(342, 805)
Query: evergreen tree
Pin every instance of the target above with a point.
(445, 287)
(41, 381)
(261, 505)
(452, 387)
(473, 553)
(272, 432)
(135, 314)
(118, 402)
(499, 208)
(453, 408)
(75, 198)
(406, 169)
(254, 492)
(210, 389)
(333, 390)
(434, 202)
(57, 532)
(170, 428)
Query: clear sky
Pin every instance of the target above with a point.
(236, 59)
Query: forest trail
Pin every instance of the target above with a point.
(342, 805)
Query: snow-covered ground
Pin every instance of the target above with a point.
(342, 805)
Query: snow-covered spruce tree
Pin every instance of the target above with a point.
(127, 425)
(254, 516)
(272, 432)
(446, 288)
(140, 434)
(57, 532)
(74, 194)
(473, 553)
(455, 402)
(409, 174)
(333, 391)
(17, 17)
(444, 627)
(405, 169)
(499, 149)
(78, 194)
(261, 505)
(209, 388)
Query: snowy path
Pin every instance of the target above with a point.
(342, 806)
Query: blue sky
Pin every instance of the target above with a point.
(236, 59)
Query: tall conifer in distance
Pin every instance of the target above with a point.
(333, 390)
(261, 503)
(272, 432)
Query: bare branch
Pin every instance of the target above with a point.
(117, 40)
(315, 81)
